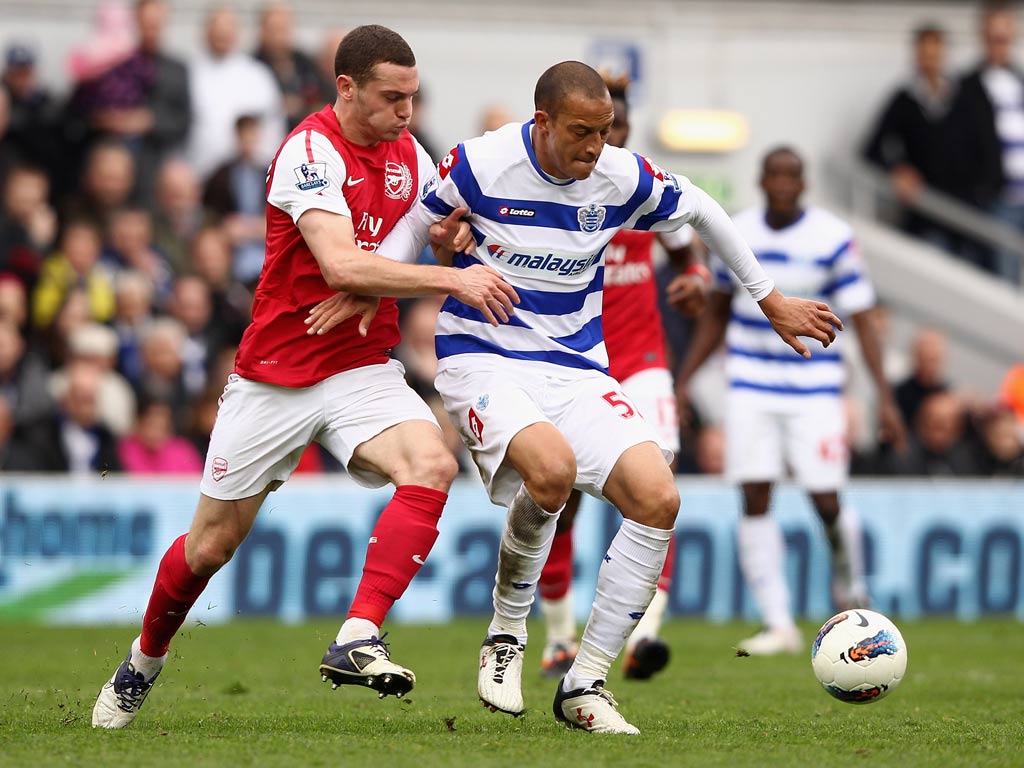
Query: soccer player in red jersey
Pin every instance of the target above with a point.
(337, 186)
(635, 342)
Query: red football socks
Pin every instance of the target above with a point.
(556, 578)
(175, 591)
(401, 540)
(665, 580)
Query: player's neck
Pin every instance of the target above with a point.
(782, 219)
(543, 160)
(351, 129)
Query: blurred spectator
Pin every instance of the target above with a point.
(72, 313)
(910, 139)
(28, 224)
(100, 84)
(162, 343)
(133, 293)
(297, 75)
(73, 440)
(232, 301)
(192, 305)
(325, 64)
(107, 182)
(168, 105)
(13, 302)
(937, 447)
(1012, 391)
(236, 194)
(418, 125)
(154, 447)
(31, 130)
(202, 415)
(6, 432)
(179, 213)
(74, 265)
(988, 124)
(23, 377)
(130, 246)
(927, 376)
(495, 116)
(226, 84)
(8, 149)
(416, 350)
(97, 345)
(1003, 442)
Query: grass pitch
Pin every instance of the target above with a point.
(250, 694)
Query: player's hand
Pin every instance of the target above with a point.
(892, 430)
(791, 317)
(339, 308)
(687, 294)
(452, 233)
(485, 289)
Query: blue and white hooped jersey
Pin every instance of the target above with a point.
(547, 238)
(813, 258)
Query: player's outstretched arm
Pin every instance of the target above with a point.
(349, 269)
(791, 317)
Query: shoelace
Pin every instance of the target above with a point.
(131, 689)
(379, 647)
(605, 694)
(504, 653)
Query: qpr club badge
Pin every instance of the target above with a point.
(591, 217)
(397, 180)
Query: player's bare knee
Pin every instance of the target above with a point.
(434, 468)
(661, 506)
(551, 481)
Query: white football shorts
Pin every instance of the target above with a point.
(262, 429)
(654, 394)
(491, 407)
(809, 437)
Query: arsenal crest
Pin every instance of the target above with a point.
(397, 180)
(591, 217)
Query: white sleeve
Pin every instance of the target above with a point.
(724, 239)
(679, 238)
(410, 235)
(308, 173)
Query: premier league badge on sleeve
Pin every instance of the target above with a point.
(311, 176)
(591, 217)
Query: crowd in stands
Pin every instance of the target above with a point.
(131, 238)
(961, 135)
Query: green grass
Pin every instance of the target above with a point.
(249, 694)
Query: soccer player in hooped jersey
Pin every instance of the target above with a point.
(337, 186)
(532, 397)
(782, 409)
(635, 343)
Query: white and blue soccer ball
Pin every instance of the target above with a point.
(859, 656)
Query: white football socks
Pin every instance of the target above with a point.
(626, 582)
(762, 560)
(559, 619)
(525, 545)
(357, 629)
(852, 543)
(149, 666)
(650, 624)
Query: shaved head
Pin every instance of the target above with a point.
(569, 78)
(781, 153)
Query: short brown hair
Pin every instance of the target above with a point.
(365, 47)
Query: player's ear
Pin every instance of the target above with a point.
(542, 120)
(346, 88)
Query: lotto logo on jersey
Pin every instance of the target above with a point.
(311, 176)
(448, 163)
(526, 213)
(397, 180)
(661, 175)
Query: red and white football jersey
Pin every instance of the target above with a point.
(317, 167)
(633, 333)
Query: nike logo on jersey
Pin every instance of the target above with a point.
(352, 182)
(418, 560)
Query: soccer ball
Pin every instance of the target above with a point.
(859, 656)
